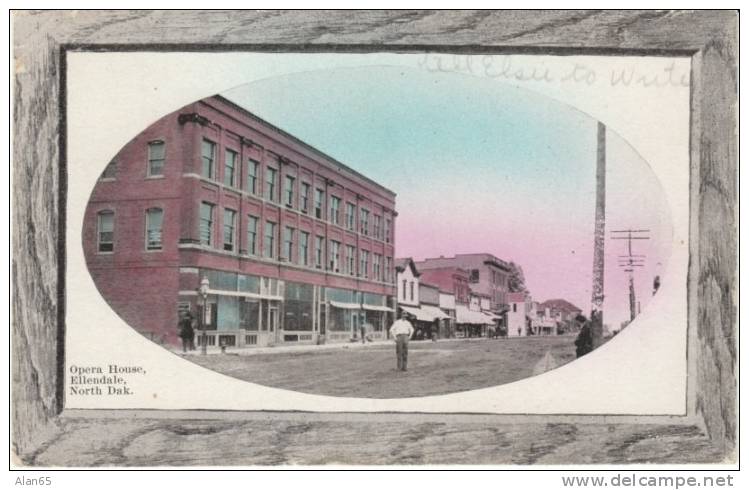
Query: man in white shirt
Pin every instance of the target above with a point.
(401, 331)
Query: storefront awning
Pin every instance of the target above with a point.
(345, 306)
(435, 312)
(242, 294)
(464, 315)
(420, 313)
(376, 308)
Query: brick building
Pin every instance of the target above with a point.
(487, 275)
(297, 247)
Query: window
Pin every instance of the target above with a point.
(288, 243)
(388, 269)
(305, 197)
(335, 255)
(229, 226)
(105, 231)
(206, 223)
(411, 287)
(319, 198)
(351, 259)
(270, 239)
(156, 153)
(270, 183)
(364, 264)
(387, 230)
(304, 248)
(319, 243)
(252, 235)
(474, 278)
(364, 222)
(376, 231)
(289, 191)
(154, 224)
(252, 167)
(230, 168)
(110, 172)
(514, 307)
(404, 288)
(350, 216)
(376, 270)
(335, 205)
(209, 156)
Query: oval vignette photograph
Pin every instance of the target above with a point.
(378, 232)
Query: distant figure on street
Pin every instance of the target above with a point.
(584, 341)
(366, 332)
(401, 331)
(187, 332)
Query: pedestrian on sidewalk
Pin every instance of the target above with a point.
(401, 331)
(186, 332)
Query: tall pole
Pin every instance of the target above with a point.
(629, 262)
(596, 309)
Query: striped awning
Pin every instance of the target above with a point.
(464, 315)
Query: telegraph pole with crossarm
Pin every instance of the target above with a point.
(629, 261)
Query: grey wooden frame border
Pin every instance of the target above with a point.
(707, 433)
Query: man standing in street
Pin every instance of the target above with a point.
(401, 331)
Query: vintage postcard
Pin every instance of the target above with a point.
(353, 235)
(377, 233)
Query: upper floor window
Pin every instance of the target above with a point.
(270, 183)
(252, 169)
(288, 243)
(335, 255)
(350, 216)
(252, 235)
(319, 244)
(388, 269)
(474, 278)
(377, 230)
(230, 168)
(319, 199)
(156, 157)
(289, 191)
(387, 230)
(411, 288)
(364, 265)
(376, 267)
(154, 225)
(351, 259)
(304, 248)
(405, 283)
(208, 152)
(206, 223)
(230, 217)
(270, 240)
(335, 205)
(110, 172)
(105, 231)
(364, 222)
(304, 205)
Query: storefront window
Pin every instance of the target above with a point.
(298, 306)
(221, 280)
(228, 313)
(248, 284)
(249, 314)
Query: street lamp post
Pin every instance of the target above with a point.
(203, 291)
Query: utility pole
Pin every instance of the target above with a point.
(599, 236)
(629, 262)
